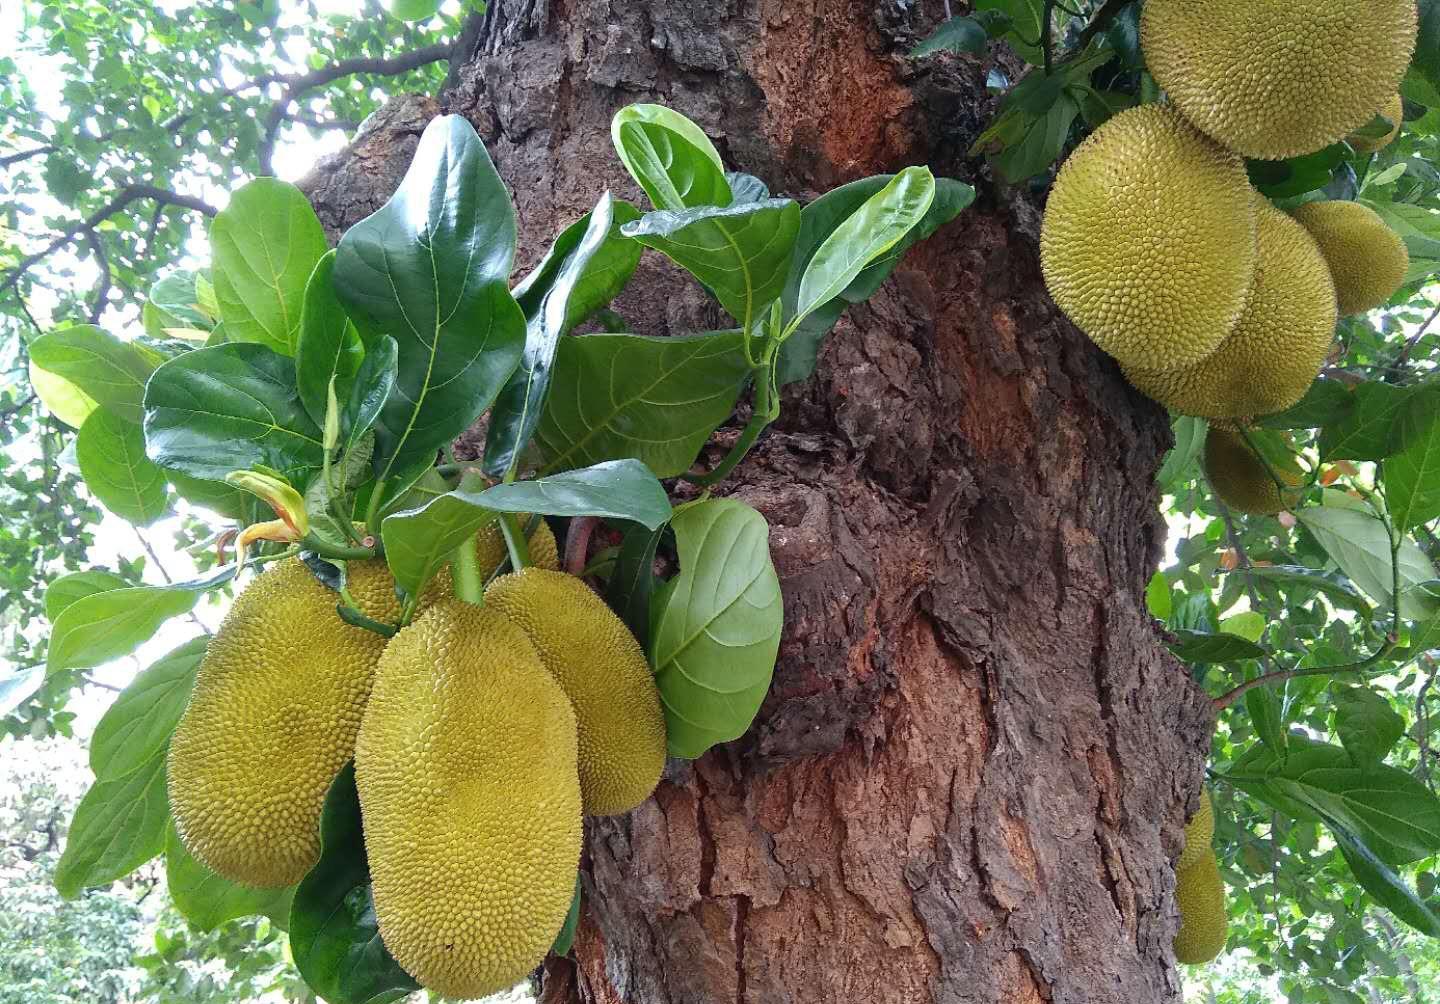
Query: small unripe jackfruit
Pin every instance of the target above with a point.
(1367, 259)
(1278, 78)
(1148, 243)
(1394, 110)
(1199, 833)
(1280, 343)
(1200, 894)
(273, 717)
(465, 767)
(600, 666)
(1242, 480)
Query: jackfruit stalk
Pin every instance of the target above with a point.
(1148, 243)
(466, 769)
(1242, 479)
(1272, 79)
(1200, 894)
(601, 668)
(1368, 261)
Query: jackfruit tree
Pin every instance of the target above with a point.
(731, 503)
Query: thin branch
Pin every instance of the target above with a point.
(145, 543)
(1101, 21)
(15, 158)
(1404, 357)
(7, 413)
(103, 293)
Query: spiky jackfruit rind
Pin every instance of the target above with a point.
(1279, 344)
(277, 703)
(1368, 261)
(1242, 480)
(1199, 833)
(544, 552)
(602, 669)
(466, 770)
(1148, 243)
(1200, 894)
(1394, 110)
(1280, 78)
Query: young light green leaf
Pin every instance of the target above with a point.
(430, 270)
(106, 625)
(68, 588)
(265, 244)
(111, 371)
(61, 398)
(329, 347)
(717, 630)
(230, 408)
(119, 825)
(111, 455)
(620, 489)
(653, 399)
(138, 724)
(1367, 725)
(670, 157)
(1360, 545)
(207, 900)
(740, 252)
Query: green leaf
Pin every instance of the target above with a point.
(1025, 17)
(207, 900)
(651, 399)
(1427, 46)
(140, 721)
(106, 625)
(419, 542)
(111, 371)
(880, 223)
(414, 10)
(1267, 712)
(1412, 476)
(1180, 461)
(119, 825)
(1327, 402)
(518, 408)
(1360, 545)
(621, 489)
(17, 684)
(230, 408)
(632, 583)
(174, 302)
(328, 347)
(60, 397)
(1284, 179)
(1367, 725)
(111, 455)
(739, 252)
(1286, 576)
(1207, 647)
(746, 187)
(566, 938)
(1249, 625)
(265, 244)
(1158, 599)
(717, 626)
(1367, 430)
(333, 932)
(370, 391)
(604, 274)
(957, 34)
(670, 157)
(68, 588)
(430, 269)
(1381, 882)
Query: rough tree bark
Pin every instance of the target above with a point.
(969, 780)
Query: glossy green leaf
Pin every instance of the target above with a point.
(1360, 545)
(328, 346)
(119, 825)
(956, 34)
(1427, 45)
(746, 187)
(334, 936)
(651, 399)
(604, 274)
(620, 489)
(207, 900)
(741, 252)
(670, 157)
(111, 455)
(717, 631)
(106, 625)
(111, 371)
(429, 269)
(1267, 712)
(566, 938)
(68, 588)
(230, 408)
(174, 302)
(1381, 882)
(1208, 647)
(518, 409)
(139, 722)
(265, 245)
(419, 542)
(370, 391)
(1158, 599)
(1367, 725)
(632, 582)
(1412, 475)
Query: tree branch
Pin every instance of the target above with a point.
(103, 293)
(15, 158)
(1101, 21)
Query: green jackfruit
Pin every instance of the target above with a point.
(1200, 894)
(465, 766)
(1272, 79)
(1148, 243)
(1367, 259)
(1394, 110)
(1242, 480)
(600, 666)
(1278, 347)
(544, 553)
(273, 717)
(1199, 833)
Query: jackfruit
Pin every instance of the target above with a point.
(1148, 243)
(601, 668)
(470, 798)
(1199, 833)
(1278, 347)
(1278, 78)
(544, 553)
(1200, 894)
(1394, 110)
(277, 703)
(1367, 259)
(1242, 480)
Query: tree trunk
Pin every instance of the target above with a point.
(969, 780)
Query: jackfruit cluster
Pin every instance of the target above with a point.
(1200, 891)
(1244, 481)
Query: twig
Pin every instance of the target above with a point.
(103, 293)
(15, 158)
(160, 567)
(1404, 357)
(1101, 20)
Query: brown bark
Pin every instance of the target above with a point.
(969, 780)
